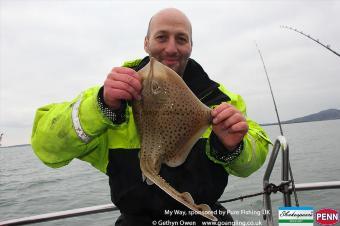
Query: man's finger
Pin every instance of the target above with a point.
(220, 108)
(124, 86)
(118, 94)
(240, 127)
(126, 70)
(232, 120)
(130, 80)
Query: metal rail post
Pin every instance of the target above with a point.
(279, 143)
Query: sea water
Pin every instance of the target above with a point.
(27, 187)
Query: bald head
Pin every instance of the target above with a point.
(170, 14)
(169, 39)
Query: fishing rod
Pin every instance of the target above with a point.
(310, 37)
(271, 91)
(279, 123)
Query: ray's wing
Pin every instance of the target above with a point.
(184, 118)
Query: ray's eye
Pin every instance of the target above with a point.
(155, 88)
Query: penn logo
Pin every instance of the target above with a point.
(327, 216)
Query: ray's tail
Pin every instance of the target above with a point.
(185, 198)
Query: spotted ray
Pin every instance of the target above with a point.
(170, 119)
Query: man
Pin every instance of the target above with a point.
(98, 127)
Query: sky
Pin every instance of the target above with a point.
(50, 51)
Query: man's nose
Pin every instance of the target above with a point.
(171, 46)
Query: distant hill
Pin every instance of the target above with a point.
(330, 114)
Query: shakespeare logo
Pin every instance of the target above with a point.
(298, 216)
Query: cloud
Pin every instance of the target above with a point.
(52, 50)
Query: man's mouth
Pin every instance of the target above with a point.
(170, 62)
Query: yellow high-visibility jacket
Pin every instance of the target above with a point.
(79, 129)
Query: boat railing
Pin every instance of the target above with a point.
(286, 188)
(280, 144)
(60, 215)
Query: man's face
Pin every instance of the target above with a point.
(169, 41)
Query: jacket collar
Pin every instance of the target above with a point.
(194, 76)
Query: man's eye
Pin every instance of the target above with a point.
(182, 40)
(161, 38)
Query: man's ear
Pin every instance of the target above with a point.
(146, 44)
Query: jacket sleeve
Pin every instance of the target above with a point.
(255, 144)
(76, 129)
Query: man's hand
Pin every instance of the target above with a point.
(229, 125)
(121, 84)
